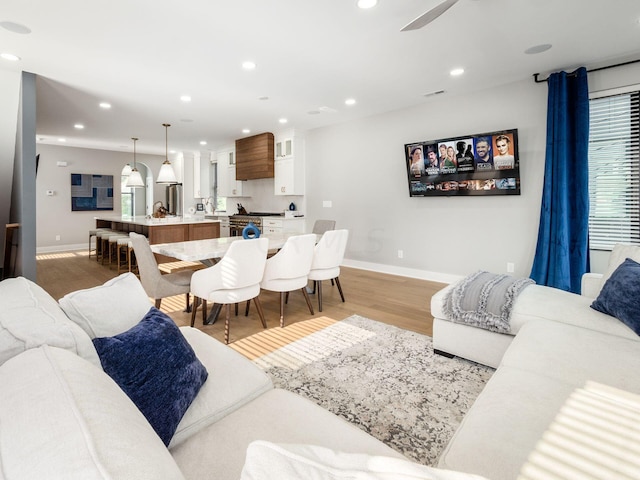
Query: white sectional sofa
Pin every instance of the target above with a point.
(557, 345)
(63, 417)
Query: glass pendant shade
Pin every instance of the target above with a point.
(166, 175)
(135, 179)
(126, 171)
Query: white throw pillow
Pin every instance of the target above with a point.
(109, 309)
(62, 417)
(618, 255)
(30, 317)
(269, 461)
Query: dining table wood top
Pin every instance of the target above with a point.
(211, 248)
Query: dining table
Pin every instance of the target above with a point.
(210, 251)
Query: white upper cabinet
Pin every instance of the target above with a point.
(228, 186)
(289, 166)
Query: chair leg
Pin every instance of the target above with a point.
(204, 311)
(339, 288)
(306, 297)
(260, 312)
(158, 303)
(246, 310)
(286, 298)
(226, 323)
(188, 306)
(319, 282)
(236, 309)
(282, 295)
(332, 282)
(196, 302)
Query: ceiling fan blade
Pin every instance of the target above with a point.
(429, 16)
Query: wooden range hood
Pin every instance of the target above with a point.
(254, 157)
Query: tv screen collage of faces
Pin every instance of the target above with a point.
(480, 164)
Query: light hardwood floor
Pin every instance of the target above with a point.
(399, 301)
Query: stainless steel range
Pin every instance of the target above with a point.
(238, 222)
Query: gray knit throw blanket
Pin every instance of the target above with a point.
(484, 300)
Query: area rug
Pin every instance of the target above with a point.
(383, 379)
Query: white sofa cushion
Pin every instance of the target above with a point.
(545, 363)
(62, 417)
(275, 416)
(29, 318)
(109, 309)
(233, 381)
(270, 461)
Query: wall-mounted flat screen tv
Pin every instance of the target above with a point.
(479, 164)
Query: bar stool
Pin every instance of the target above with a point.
(98, 249)
(125, 254)
(113, 247)
(102, 245)
(92, 234)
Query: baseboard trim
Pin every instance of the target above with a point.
(61, 248)
(403, 271)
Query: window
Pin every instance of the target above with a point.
(220, 203)
(126, 196)
(614, 171)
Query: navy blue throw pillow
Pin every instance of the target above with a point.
(620, 295)
(156, 367)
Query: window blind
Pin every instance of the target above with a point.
(614, 170)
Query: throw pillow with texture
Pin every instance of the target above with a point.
(156, 367)
(620, 295)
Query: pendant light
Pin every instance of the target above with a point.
(135, 179)
(166, 175)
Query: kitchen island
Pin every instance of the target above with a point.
(163, 230)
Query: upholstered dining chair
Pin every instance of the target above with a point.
(321, 226)
(157, 285)
(235, 278)
(327, 257)
(287, 270)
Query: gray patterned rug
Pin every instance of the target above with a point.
(383, 379)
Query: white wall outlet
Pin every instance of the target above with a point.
(61, 164)
(400, 254)
(327, 203)
(57, 238)
(511, 267)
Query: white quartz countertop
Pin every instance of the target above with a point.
(142, 220)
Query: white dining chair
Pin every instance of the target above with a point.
(288, 269)
(321, 226)
(236, 278)
(157, 285)
(327, 257)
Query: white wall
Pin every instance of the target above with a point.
(54, 215)
(360, 168)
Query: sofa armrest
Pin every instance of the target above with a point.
(591, 284)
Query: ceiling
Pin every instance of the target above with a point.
(141, 56)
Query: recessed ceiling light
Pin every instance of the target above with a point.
(203, 142)
(78, 126)
(10, 56)
(366, 3)
(249, 65)
(350, 101)
(15, 27)
(246, 130)
(456, 72)
(283, 120)
(172, 151)
(62, 140)
(537, 49)
(185, 98)
(263, 98)
(105, 105)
